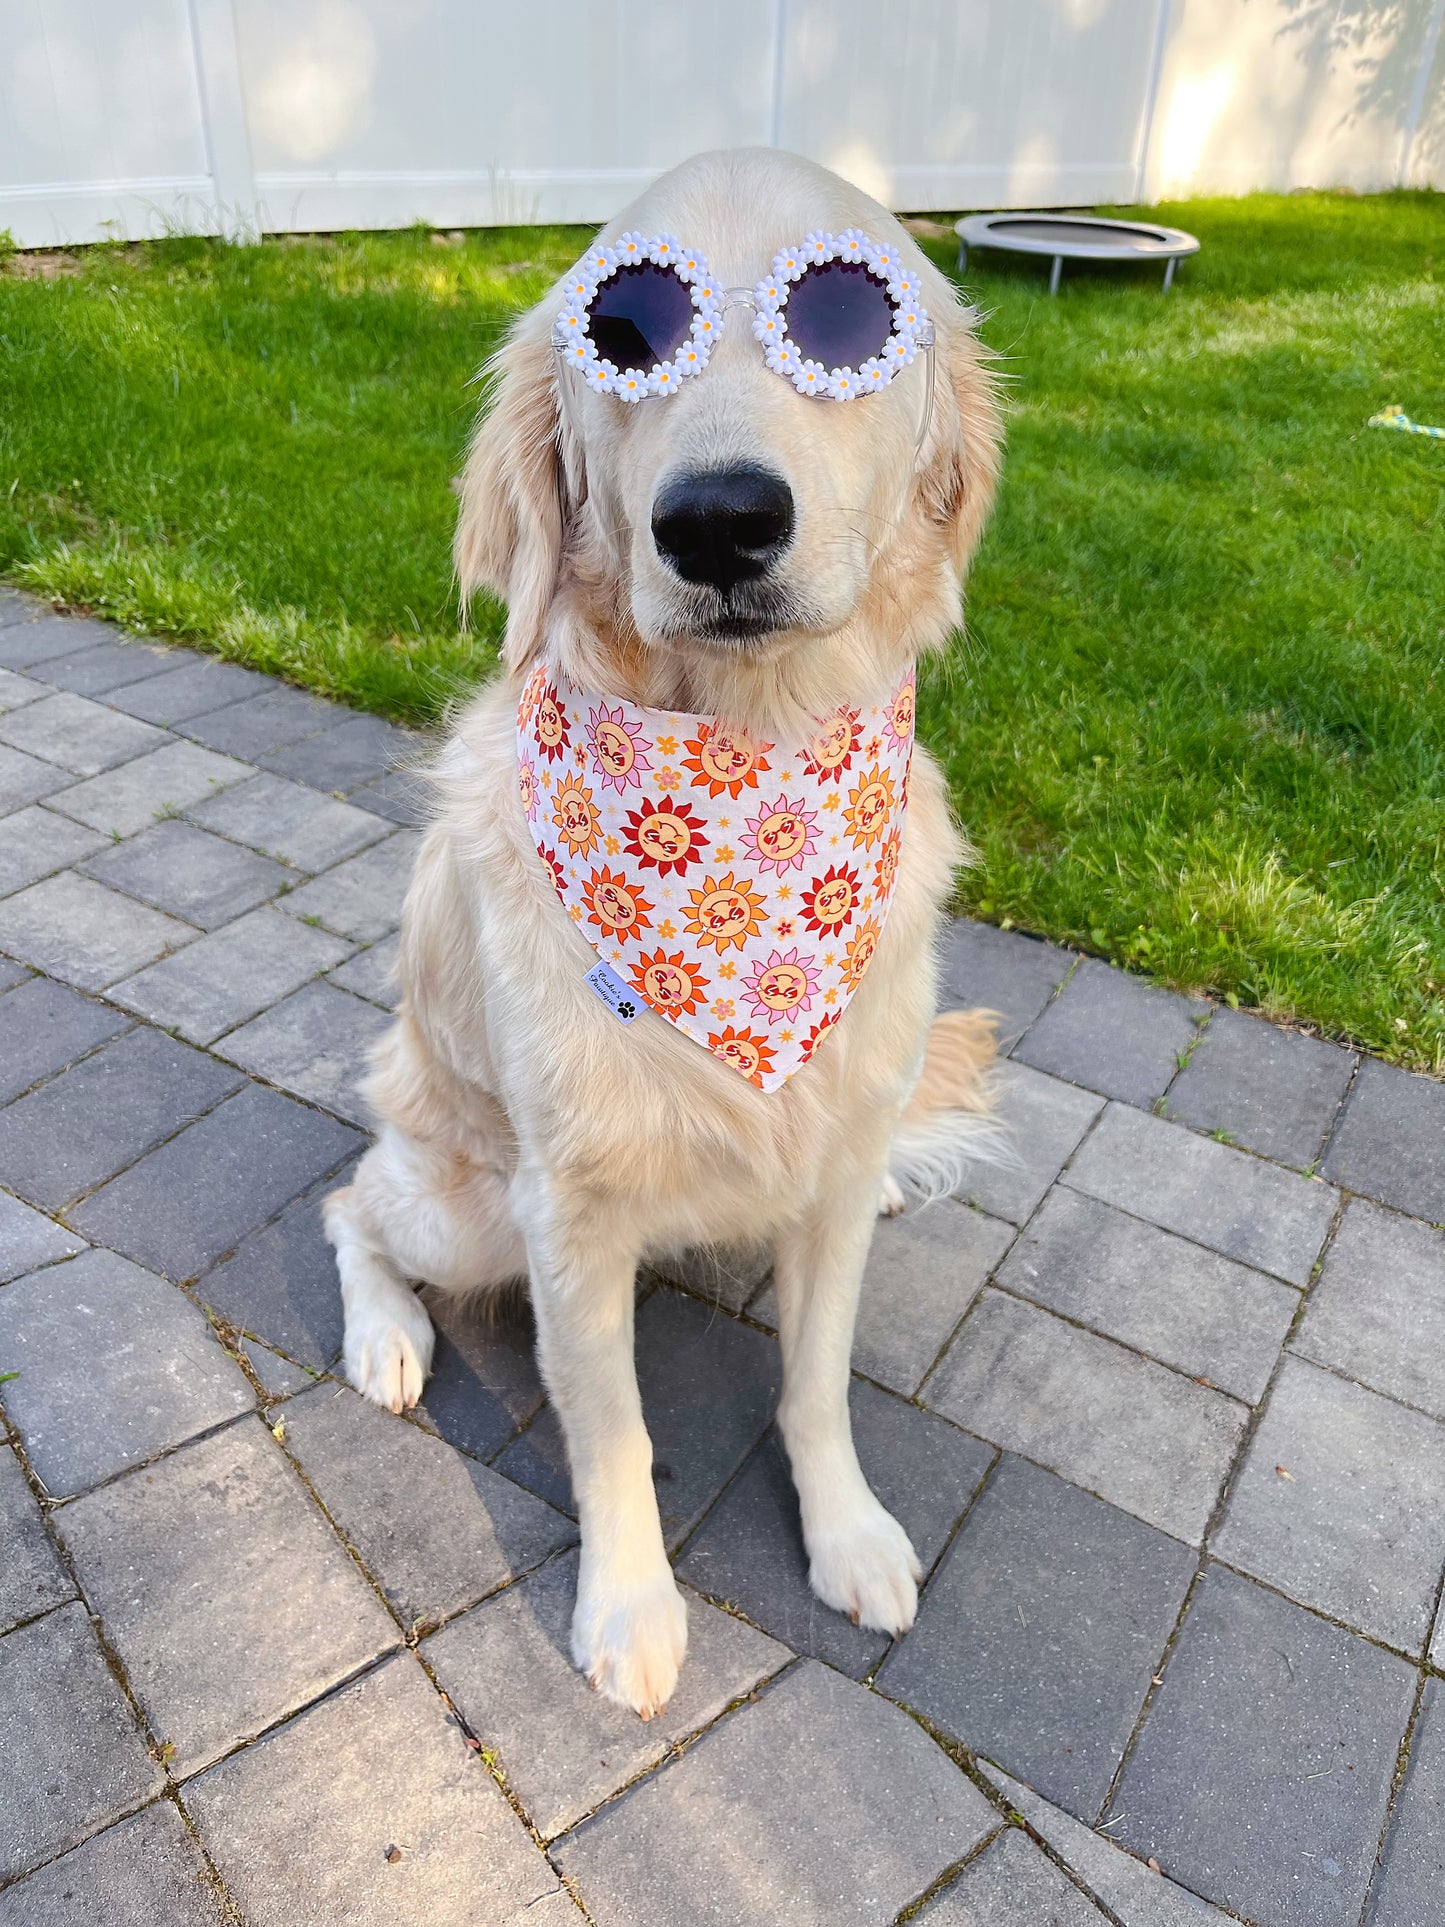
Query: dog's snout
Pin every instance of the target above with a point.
(723, 526)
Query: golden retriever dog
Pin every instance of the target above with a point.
(524, 1132)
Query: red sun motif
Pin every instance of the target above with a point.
(724, 758)
(830, 900)
(615, 905)
(745, 1052)
(832, 745)
(554, 868)
(819, 1031)
(670, 983)
(550, 725)
(666, 836)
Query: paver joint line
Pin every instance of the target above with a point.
(1182, 1390)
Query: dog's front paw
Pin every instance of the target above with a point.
(629, 1639)
(865, 1566)
(388, 1352)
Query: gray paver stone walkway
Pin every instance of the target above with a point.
(1160, 1400)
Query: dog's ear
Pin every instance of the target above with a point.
(516, 500)
(960, 462)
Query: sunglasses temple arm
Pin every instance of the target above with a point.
(927, 421)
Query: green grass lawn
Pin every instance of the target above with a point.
(1198, 720)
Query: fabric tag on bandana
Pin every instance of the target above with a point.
(737, 887)
(614, 993)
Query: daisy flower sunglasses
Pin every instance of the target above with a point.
(838, 316)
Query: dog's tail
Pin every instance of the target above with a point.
(949, 1125)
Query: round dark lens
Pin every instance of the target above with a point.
(640, 316)
(839, 314)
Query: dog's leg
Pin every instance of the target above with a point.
(629, 1630)
(389, 1337)
(860, 1558)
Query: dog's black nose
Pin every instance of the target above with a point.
(723, 526)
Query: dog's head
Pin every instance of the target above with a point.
(738, 531)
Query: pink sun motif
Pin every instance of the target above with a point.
(527, 784)
(782, 836)
(783, 986)
(619, 748)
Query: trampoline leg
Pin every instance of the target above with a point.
(963, 257)
(1168, 276)
(1057, 271)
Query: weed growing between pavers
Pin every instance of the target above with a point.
(1198, 723)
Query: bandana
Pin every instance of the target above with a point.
(738, 887)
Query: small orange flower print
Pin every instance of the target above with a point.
(550, 729)
(784, 926)
(885, 871)
(668, 745)
(870, 806)
(723, 1009)
(831, 899)
(616, 905)
(859, 954)
(668, 778)
(666, 837)
(725, 912)
(576, 817)
(728, 970)
(670, 983)
(747, 1053)
(667, 930)
(832, 745)
(724, 758)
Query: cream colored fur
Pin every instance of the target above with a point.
(523, 1131)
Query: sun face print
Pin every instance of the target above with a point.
(670, 983)
(831, 899)
(615, 905)
(724, 912)
(885, 870)
(782, 987)
(532, 695)
(744, 1051)
(899, 716)
(723, 758)
(550, 725)
(819, 1031)
(859, 954)
(666, 836)
(870, 805)
(554, 868)
(527, 786)
(832, 745)
(781, 836)
(619, 748)
(576, 816)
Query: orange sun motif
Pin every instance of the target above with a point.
(551, 725)
(669, 983)
(532, 695)
(745, 1051)
(724, 758)
(724, 912)
(870, 805)
(617, 907)
(666, 836)
(885, 873)
(831, 899)
(576, 816)
(859, 954)
(831, 746)
(898, 718)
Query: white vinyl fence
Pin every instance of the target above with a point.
(134, 117)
